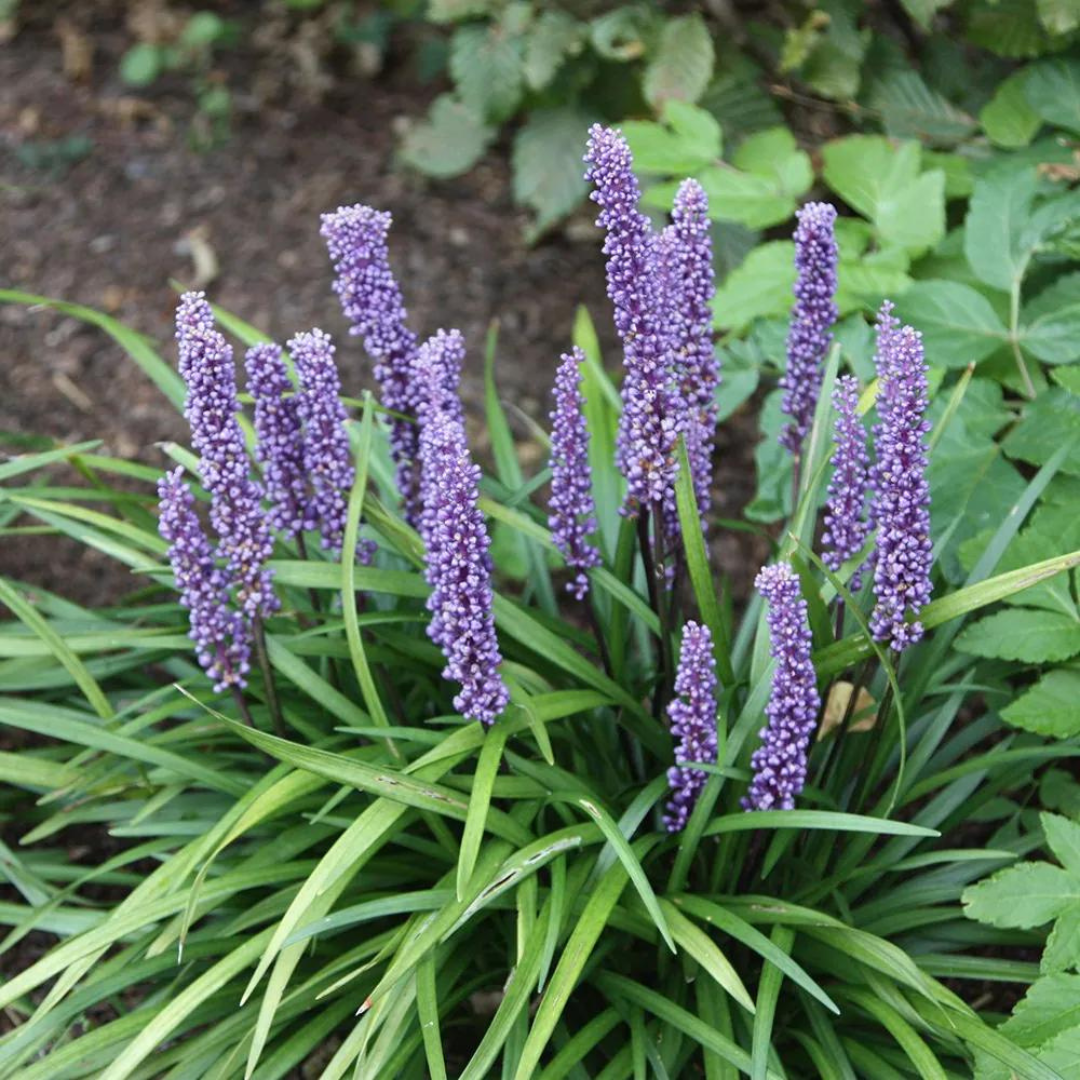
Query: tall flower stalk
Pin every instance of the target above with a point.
(779, 763)
(900, 509)
(812, 318)
(693, 724)
(356, 237)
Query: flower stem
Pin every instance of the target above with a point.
(268, 678)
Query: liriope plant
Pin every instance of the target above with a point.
(388, 798)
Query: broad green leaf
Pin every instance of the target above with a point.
(682, 65)
(1051, 707)
(1007, 118)
(1062, 952)
(1008, 28)
(769, 174)
(548, 176)
(1050, 1007)
(1026, 895)
(958, 324)
(1033, 637)
(994, 230)
(1050, 323)
(884, 184)
(448, 142)
(553, 38)
(912, 110)
(683, 141)
(1049, 423)
(1063, 836)
(760, 286)
(486, 66)
(1053, 91)
(142, 64)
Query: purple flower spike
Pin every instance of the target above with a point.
(356, 237)
(651, 421)
(280, 449)
(900, 508)
(222, 640)
(779, 764)
(846, 527)
(459, 570)
(572, 517)
(693, 723)
(812, 318)
(697, 373)
(211, 407)
(327, 454)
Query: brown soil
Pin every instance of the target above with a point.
(113, 229)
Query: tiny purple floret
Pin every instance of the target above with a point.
(650, 424)
(900, 509)
(693, 724)
(459, 569)
(221, 635)
(280, 447)
(812, 318)
(571, 516)
(846, 526)
(371, 299)
(779, 763)
(211, 407)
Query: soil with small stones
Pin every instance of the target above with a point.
(143, 210)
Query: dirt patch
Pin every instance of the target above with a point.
(142, 208)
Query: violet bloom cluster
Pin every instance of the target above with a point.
(435, 375)
(779, 763)
(812, 319)
(693, 723)
(459, 569)
(221, 634)
(689, 266)
(572, 513)
(900, 509)
(846, 527)
(651, 423)
(211, 407)
(280, 447)
(328, 458)
(356, 237)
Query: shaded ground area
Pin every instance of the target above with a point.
(142, 207)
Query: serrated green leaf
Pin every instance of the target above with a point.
(760, 286)
(1058, 16)
(1063, 837)
(1050, 324)
(1051, 707)
(683, 63)
(1008, 118)
(995, 227)
(1050, 1007)
(449, 142)
(1024, 634)
(1062, 951)
(834, 67)
(1023, 896)
(486, 66)
(685, 140)
(958, 324)
(912, 110)
(1049, 423)
(884, 184)
(547, 163)
(1052, 88)
(552, 38)
(447, 11)
(1008, 28)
